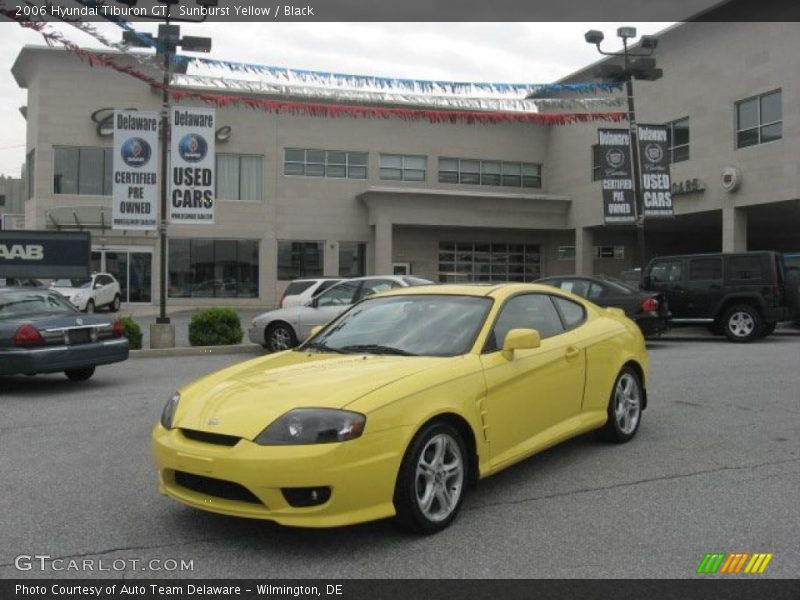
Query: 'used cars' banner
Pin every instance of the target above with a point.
(615, 162)
(135, 189)
(191, 197)
(654, 160)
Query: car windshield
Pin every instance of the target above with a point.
(72, 283)
(425, 324)
(28, 303)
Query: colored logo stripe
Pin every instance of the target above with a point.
(721, 562)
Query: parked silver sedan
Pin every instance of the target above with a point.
(41, 332)
(284, 328)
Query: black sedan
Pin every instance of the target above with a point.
(648, 309)
(40, 332)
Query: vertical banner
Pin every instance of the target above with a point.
(615, 162)
(654, 161)
(191, 196)
(135, 177)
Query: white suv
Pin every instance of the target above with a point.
(101, 289)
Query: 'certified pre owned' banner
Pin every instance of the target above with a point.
(191, 197)
(654, 159)
(135, 176)
(615, 162)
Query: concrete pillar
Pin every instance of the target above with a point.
(584, 251)
(734, 229)
(383, 247)
(330, 267)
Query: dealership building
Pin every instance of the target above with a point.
(301, 195)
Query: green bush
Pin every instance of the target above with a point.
(215, 327)
(132, 332)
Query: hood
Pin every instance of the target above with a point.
(243, 400)
(69, 292)
(280, 314)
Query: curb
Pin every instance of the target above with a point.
(197, 351)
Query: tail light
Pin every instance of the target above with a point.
(28, 335)
(116, 328)
(649, 305)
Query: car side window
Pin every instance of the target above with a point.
(572, 313)
(666, 272)
(376, 286)
(595, 290)
(527, 311)
(325, 285)
(579, 287)
(339, 295)
(703, 269)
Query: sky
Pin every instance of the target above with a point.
(495, 52)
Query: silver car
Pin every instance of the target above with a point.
(284, 328)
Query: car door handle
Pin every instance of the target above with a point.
(572, 352)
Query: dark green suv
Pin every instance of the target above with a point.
(742, 295)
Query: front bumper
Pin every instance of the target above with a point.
(52, 359)
(651, 324)
(361, 474)
(256, 334)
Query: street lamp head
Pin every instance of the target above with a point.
(626, 32)
(593, 36)
(649, 42)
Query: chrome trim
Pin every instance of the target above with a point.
(93, 326)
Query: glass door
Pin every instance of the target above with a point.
(132, 267)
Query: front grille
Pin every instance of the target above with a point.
(219, 488)
(210, 438)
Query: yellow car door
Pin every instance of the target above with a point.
(531, 396)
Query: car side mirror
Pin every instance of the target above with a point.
(313, 303)
(520, 339)
(315, 330)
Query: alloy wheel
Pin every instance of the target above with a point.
(627, 403)
(439, 477)
(741, 324)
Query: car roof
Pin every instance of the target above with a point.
(475, 289)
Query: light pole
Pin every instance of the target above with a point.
(636, 65)
(162, 334)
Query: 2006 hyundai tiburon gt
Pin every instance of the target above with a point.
(400, 403)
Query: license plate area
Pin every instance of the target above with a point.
(79, 336)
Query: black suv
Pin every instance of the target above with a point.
(741, 295)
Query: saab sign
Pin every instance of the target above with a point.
(47, 255)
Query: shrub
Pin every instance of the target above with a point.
(132, 332)
(215, 327)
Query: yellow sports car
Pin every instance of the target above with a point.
(399, 404)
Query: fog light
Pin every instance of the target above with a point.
(306, 496)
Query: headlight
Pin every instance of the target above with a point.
(168, 414)
(313, 426)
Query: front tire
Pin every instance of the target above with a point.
(432, 480)
(624, 408)
(89, 306)
(742, 323)
(79, 374)
(278, 337)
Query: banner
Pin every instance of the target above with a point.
(191, 196)
(615, 163)
(654, 162)
(135, 177)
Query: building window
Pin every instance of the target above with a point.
(480, 261)
(597, 163)
(2, 199)
(84, 171)
(239, 176)
(678, 139)
(29, 171)
(325, 163)
(566, 253)
(352, 259)
(403, 167)
(615, 252)
(759, 120)
(490, 172)
(300, 259)
(208, 268)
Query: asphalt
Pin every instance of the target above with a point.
(713, 468)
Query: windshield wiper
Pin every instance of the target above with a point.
(377, 349)
(320, 347)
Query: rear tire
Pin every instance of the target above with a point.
(742, 323)
(79, 374)
(279, 337)
(90, 306)
(114, 306)
(431, 483)
(624, 408)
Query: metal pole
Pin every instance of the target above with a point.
(162, 315)
(634, 135)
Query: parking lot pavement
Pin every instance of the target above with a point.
(714, 468)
